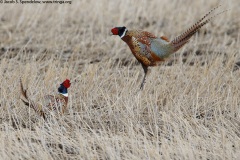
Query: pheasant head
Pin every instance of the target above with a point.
(63, 89)
(121, 31)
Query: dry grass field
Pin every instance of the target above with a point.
(189, 108)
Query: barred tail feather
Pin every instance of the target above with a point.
(182, 39)
(23, 92)
(28, 102)
(25, 102)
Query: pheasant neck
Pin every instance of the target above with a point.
(124, 33)
(127, 39)
(65, 96)
(66, 99)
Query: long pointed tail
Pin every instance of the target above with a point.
(37, 108)
(182, 39)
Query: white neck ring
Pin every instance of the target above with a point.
(64, 94)
(124, 33)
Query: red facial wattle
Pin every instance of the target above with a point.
(67, 83)
(114, 31)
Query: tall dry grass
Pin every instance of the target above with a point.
(189, 108)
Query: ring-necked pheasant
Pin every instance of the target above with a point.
(149, 49)
(56, 103)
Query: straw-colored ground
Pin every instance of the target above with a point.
(189, 108)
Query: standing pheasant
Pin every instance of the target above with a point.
(149, 50)
(56, 103)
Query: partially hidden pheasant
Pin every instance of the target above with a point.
(149, 49)
(49, 103)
